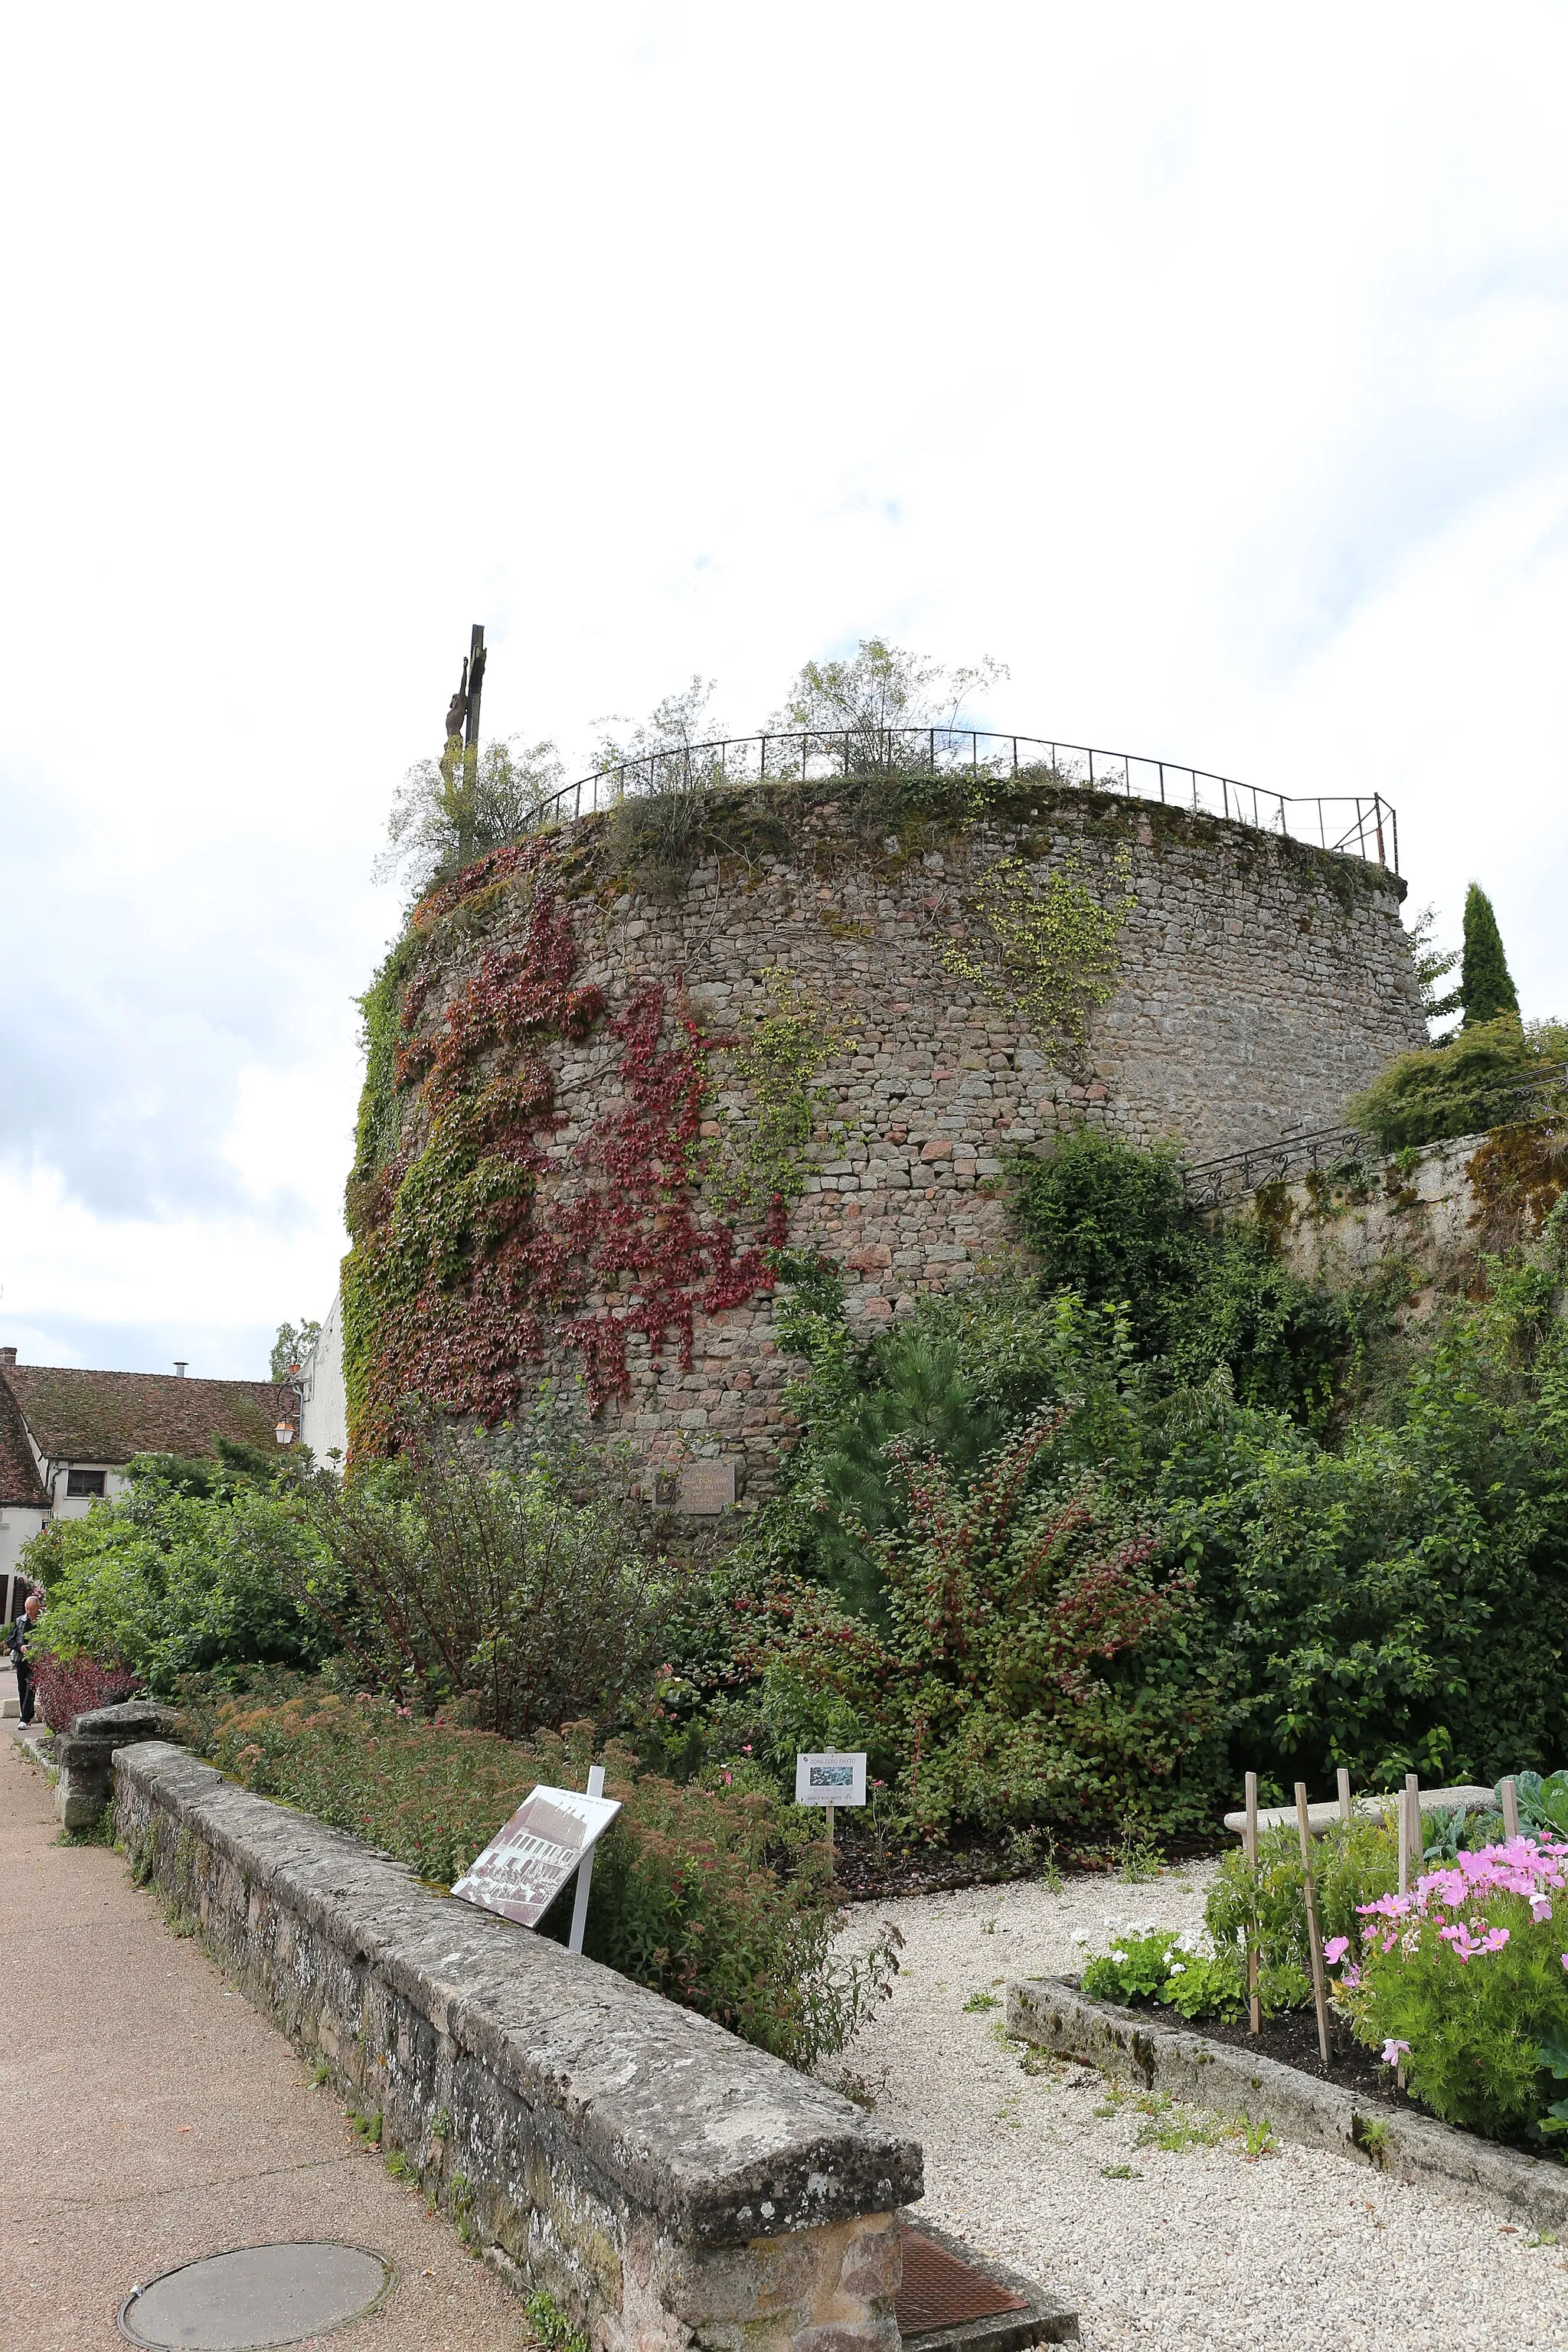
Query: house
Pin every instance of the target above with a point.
(66, 1436)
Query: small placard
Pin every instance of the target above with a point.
(831, 1778)
(706, 1487)
(526, 1864)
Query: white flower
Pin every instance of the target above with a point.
(1189, 1941)
(1121, 1959)
(1081, 1935)
(1177, 1970)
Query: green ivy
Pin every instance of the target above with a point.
(1052, 955)
(765, 1159)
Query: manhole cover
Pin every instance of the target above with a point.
(255, 2298)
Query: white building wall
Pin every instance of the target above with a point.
(325, 1418)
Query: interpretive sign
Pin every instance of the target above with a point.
(830, 1780)
(526, 1864)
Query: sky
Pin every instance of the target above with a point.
(1205, 367)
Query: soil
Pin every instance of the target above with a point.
(865, 1872)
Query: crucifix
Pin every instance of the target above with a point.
(463, 710)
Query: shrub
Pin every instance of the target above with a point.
(65, 1690)
(1490, 1072)
(1035, 1665)
(193, 1568)
(1114, 1223)
(1467, 1978)
(717, 1895)
(500, 1570)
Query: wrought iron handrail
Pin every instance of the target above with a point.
(1362, 824)
(1292, 1157)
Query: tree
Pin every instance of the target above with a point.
(1485, 984)
(1433, 964)
(292, 1345)
(881, 690)
(676, 724)
(449, 810)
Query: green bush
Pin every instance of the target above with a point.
(1156, 1964)
(1035, 1665)
(505, 1570)
(1114, 1223)
(717, 1895)
(1487, 1075)
(196, 1568)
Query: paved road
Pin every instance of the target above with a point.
(151, 2116)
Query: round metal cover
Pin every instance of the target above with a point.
(254, 2298)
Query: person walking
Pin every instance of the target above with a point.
(16, 1641)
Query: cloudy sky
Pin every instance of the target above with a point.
(1207, 366)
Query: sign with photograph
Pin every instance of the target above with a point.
(527, 1864)
(832, 1779)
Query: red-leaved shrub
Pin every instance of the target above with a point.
(68, 1688)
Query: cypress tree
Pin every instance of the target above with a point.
(1486, 985)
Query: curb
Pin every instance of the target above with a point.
(1054, 2015)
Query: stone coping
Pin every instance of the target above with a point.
(720, 2142)
(1133, 2045)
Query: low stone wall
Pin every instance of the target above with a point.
(665, 2182)
(1137, 2048)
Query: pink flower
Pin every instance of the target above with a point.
(1335, 1948)
(1352, 1976)
(1392, 2051)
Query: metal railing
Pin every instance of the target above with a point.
(1355, 825)
(1292, 1157)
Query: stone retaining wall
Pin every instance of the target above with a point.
(1140, 2049)
(667, 2183)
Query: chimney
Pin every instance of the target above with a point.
(181, 1365)
(8, 1360)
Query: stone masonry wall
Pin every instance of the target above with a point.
(667, 2184)
(1261, 983)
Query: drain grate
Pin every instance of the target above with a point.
(939, 2291)
(255, 2298)
(955, 2300)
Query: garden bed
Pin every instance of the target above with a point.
(1299, 2102)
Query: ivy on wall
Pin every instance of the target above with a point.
(1050, 955)
(763, 1158)
(456, 1277)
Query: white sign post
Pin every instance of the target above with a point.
(551, 1834)
(830, 1780)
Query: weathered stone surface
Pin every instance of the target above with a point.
(1262, 981)
(1056, 2016)
(83, 1756)
(661, 2178)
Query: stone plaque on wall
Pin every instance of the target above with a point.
(706, 1487)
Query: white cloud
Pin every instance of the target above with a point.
(1208, 368)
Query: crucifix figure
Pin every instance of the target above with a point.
(463, 710)
(457, 709)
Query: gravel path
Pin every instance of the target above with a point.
(1199, 2249)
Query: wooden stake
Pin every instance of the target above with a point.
(1343, 1779)
(1417, 1834)
(1404, 1813)
(1314, 1933)
(1249, 1847)
(1510, 1808)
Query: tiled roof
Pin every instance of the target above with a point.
(106, 1417)
(19, 1480)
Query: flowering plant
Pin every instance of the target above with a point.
(1149, 1963)
(1465, 1977)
